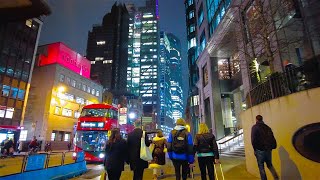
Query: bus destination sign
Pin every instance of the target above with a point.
(92, 124)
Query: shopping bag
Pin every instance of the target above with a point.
(151, 147)
(145, 153)
(215, 171)
(104, 175)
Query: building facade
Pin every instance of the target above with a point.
(165, 108)
(249, 42)
(107, 49)
(19, 41)
(175, 65)
(60, 87)
(192, 108)
(143, 56)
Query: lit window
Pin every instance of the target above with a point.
(84, 87)
(76, 114)
(61, 78)
(191, 14)
(192, 28)
(80, 100)
(192, 43)
(98, 58)
(21, 94)
(88, 89)
(67, 112)
(68, 80)
(57, 110)
(53, 136)
(67, 137)
(23, 135)
(29, 23)
(73, 83)
(93, 91)
(98, 93)
(101, 42)
(107, 61)
(5, 90)
(93, 62)
(8, 112)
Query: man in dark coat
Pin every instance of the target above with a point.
(137, 165)
(263, 142)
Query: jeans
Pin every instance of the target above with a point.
(177, 166)
(114, 174)
(206, 163)
(265, 157)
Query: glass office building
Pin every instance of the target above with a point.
(143, 55)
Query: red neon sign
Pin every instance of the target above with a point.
(63, 55)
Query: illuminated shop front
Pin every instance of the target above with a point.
(60, 88)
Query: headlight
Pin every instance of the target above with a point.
(74, 154)
(101, 155)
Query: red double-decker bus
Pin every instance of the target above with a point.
(92, 130)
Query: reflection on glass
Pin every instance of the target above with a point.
(91, 140)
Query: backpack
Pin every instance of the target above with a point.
(180, 141)
(268, 142)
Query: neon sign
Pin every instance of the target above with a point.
(58, 53)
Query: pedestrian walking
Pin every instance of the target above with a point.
(69, 145)
(263, 142)
(116, 155)
(207, 151)
(158, 154)
(137, 165)
(180, 149)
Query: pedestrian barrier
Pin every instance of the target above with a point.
(50, 165)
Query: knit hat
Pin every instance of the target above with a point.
(181, 122)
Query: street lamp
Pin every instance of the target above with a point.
(61, 89)
(132, 115)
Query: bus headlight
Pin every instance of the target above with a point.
(101, 155)
(74, 154)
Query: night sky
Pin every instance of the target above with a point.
(71, 20)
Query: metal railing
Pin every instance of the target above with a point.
(10, 165)
(293, 80)
(235, 140)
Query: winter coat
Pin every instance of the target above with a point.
(189, 154)
(116, 155)
(134, 144)
(158, 154)
(206, 145)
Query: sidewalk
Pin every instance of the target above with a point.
(233, 168)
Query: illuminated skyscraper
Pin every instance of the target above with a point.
(143, 55)
(107, 49)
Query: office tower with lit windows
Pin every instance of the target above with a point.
(192, 108)
(107, 49)
(143, 56)
(175, 76)
(165, 108)
(20, 30)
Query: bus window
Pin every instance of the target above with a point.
(94, 112)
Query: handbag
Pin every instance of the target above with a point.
(145, 153)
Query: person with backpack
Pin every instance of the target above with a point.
(263, 142)
(180, 149)
(207, 151)
(158, 154)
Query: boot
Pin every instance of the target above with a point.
(155, 177)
